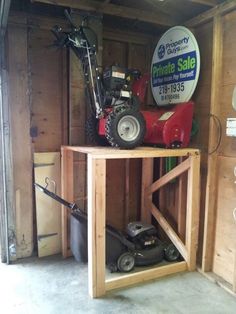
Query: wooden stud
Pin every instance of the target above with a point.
(193, 210)
(67, 192)
(96, 225)
(182, 201)
(127, 192)
(142, 276)
(147, 179)
(211, 188)
(19, 106)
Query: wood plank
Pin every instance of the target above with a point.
(169, 231)
(67, 192)
(126, 36)
(211, 189)
(220, 9)
(46, 91)
(114, 53)
(225, 229)
(127, 192)
(19, 105)
(96, 226)
(174, 173)
(139, 152)
(143, 276)
(77, 101)
(193, 210)
(117, 10)
(181, 203)
(48, 212)
(146, 199)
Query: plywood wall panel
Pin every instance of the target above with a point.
(19, 105)
(46, 90)
(228, 144)
(48, 211)
(114, 52)
(225, 240)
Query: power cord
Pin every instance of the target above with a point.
(219, 126)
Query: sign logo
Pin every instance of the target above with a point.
(161, 51)
(175, 67)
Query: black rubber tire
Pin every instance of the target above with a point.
(91, 128)
(171, 253)
(125, 262)
(113, 134)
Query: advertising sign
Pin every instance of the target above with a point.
(175, 67)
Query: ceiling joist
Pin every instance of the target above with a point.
(105, 7)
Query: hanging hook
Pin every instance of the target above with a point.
(48, 181)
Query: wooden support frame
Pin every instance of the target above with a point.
(96, 163)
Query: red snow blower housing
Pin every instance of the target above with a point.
(115, 97)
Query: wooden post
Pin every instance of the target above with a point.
(127, 192)
(19, 106)
(182, 200)
(211, 187)
(147, 180)
(67, 192)
(96, 225)
(192, 217)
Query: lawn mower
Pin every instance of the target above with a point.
(139, 246)
(115, 98)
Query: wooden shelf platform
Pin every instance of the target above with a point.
(96, 182)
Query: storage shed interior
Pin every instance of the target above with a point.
(45, 106)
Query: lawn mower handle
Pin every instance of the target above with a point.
(56, 197)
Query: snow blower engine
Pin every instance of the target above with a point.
(115, 96)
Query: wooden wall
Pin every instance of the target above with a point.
(225, 230)
(48, 109)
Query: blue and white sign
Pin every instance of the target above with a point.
(175, 67)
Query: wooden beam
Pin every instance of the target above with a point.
(182, 202)
(184, 166)
(193, 210)
(19, 106)
(147, 179)
(67, 192)
(210, 3)
(116, 10)
(96, 225)
(169, 231)
(211, 188)
(220, 9)
(142, 276)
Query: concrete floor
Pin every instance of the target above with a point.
(54, 286)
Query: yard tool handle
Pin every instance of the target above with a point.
(56, 197)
